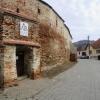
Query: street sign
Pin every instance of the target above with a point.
(23, 28)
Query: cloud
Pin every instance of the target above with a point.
(63, 2)
(82, 16)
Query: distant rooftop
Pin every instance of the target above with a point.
(96, 44)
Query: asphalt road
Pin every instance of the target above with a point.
(81, 82)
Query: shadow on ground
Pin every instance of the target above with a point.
(58, 69)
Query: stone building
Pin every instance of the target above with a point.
(32, 36)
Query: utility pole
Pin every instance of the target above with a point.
(89, 45)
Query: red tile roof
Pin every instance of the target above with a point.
(96, 44)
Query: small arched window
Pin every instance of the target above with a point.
(39, 11)
(17, 10)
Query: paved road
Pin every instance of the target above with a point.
(81, 82)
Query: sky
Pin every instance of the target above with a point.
(81, 16)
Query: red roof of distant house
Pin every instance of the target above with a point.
(96, 44)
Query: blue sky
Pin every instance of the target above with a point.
(81, 16)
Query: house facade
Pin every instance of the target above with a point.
(32, 36)
(83, 51)
(95, 48)
(91, 51)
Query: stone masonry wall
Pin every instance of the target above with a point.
(10, 73)
(46, 28)
(68, 41)
(23, 7)
(53, 37)
(32, 62)
(0, 3)
(28, 61)
(51, 29)
(1, 53)
(16, 11)
(53, 49)
(11, 29)
(36, 63)
(1, 66)
(1, 28)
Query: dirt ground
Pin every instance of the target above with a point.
(58, 69)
